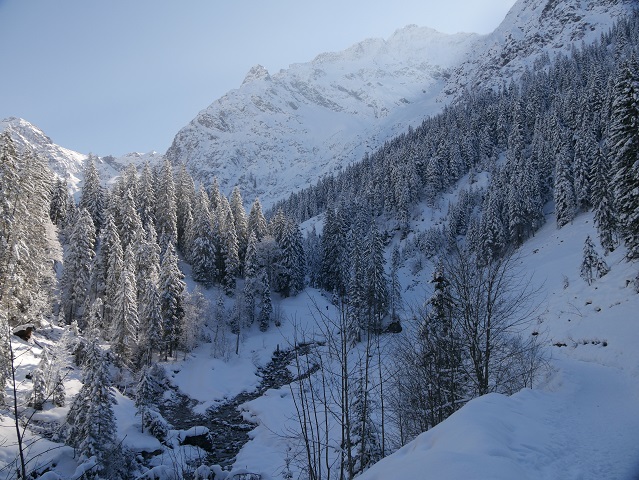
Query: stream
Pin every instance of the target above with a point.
(228, 431)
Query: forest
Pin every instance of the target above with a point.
(564, 140)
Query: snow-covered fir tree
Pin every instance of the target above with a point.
(592, 266)
(78, 260)
(624, 153)
(171, 289)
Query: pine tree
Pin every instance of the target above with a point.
(125, 325)
(256, 221)
(364, 436)
(146, 196)
(112, 257)
(77, 268)
(172, 288)
(266, 307)
(203, 244)
(185, 199)
(592, 266)
(565, 201)
(91, 419)
(394, 291)
(166, 208)
(60, 203)
(241, 225)
(214, 195)
(228, 255)
(313, 260)
(251, 269)
(493, 232)
(376, 280)
(603, 201)
(149, 312)
(129, 223)
(290, 271)
(335, 265)
(39, 392)
(624, 153)
(26, 276)
(444, 350)
(92, 197)
(145, 396)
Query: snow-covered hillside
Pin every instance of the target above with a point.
(532, 30)
(581, 421)
(63, 162)
(280, 132)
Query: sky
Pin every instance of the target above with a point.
(118, 76)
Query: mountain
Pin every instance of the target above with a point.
(533, 32)
(279, 133)
(66, 163)
(63, 162)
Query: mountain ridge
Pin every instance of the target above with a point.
(278, 133)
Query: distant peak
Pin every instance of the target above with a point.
(258, 72)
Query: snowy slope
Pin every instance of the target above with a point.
(580, 421)
(278, 133)
(532, 29)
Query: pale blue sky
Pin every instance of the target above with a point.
(115, 76)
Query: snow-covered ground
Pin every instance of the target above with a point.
(580, 421)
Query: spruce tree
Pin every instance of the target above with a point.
(241, 224)
(602, 199)
(172, 288)
(166, 208)
(266, 306)
(203, 244)
(592, 266)
(146, 196)
(26, 276)
(228, 254)
(125, 323)
(78, 260)
(256, 221)
(565, 201)
(91, 419)
(376, 280)
(251, 269)
(624, 153)
(60, 203)
(113, 259)
(92, 197)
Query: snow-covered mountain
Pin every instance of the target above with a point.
(279, 133)
(66, 163)
(531, 30)
(63, 162)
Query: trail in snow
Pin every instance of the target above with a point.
(596, 424)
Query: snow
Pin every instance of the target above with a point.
(579, 422)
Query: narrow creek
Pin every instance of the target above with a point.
(228, 431)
